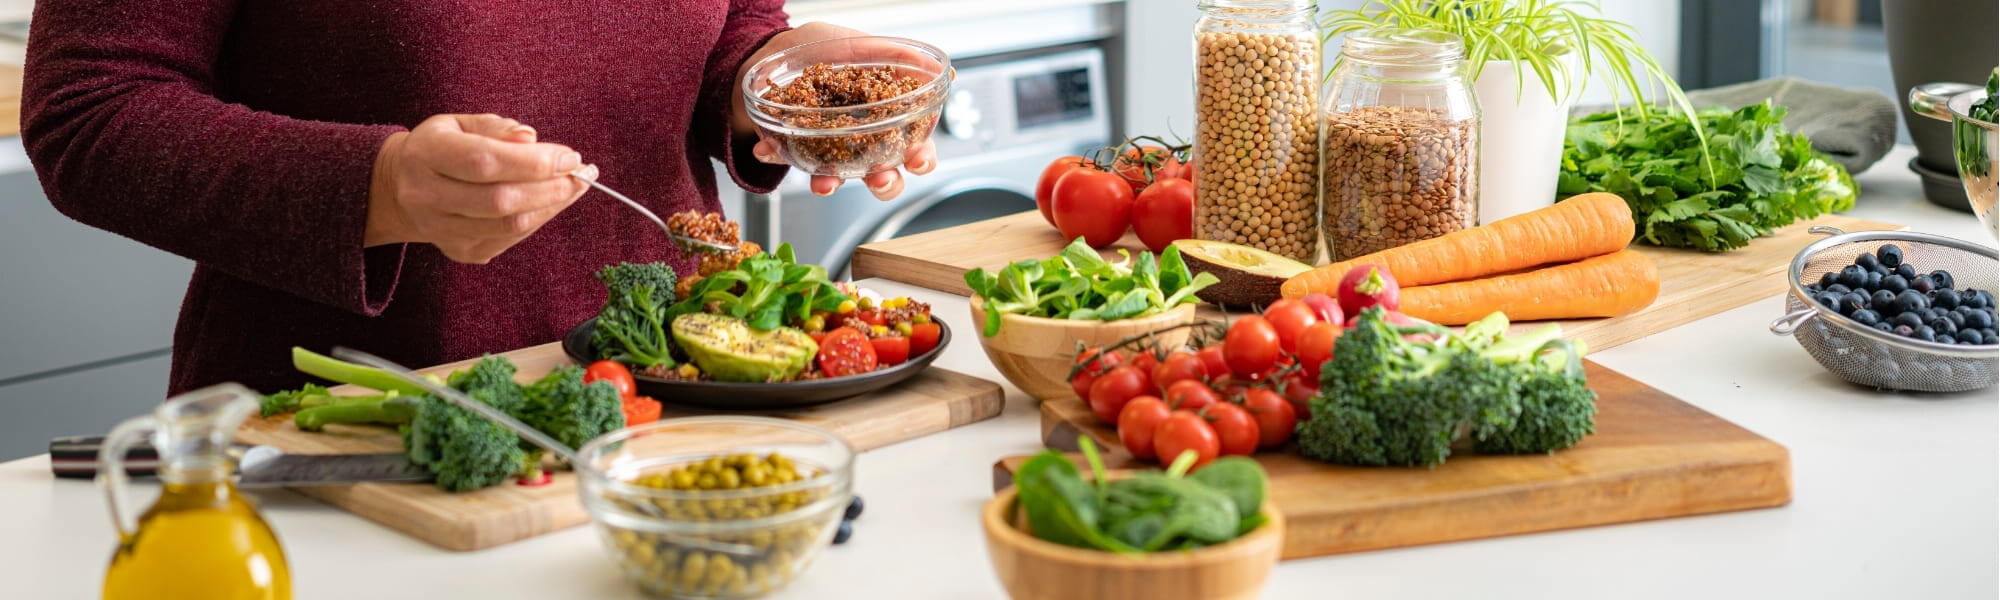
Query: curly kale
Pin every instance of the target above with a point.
(572, 412)
(632, 327)
(1404, 395)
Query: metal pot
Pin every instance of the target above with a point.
(1975, 143)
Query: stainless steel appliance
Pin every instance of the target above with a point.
(1008, 116)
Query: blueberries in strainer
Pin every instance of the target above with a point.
(1894, 284)
(1942, 278)
(1907, 270)
(1970, 335)
(1903, 330)
(1853, 276)
(1853, 301)
(1867, 261)
(1826, 279)
(1874, 280)
(1943, 325)
(1945, 299)
(1911, 301)
(1979, 318)
(1830, 300)
(1924, 333)
(1889, 255)
(1908, 319)
(1866, 317)
(1838, 289)
(1885, 326)
(1923, 283)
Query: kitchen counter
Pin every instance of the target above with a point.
(1894, 497)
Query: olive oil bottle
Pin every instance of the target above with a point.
(202, 538)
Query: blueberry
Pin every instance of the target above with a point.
(1874, 281)
(1867, 261)
(1828, 299)
(1979, 318)
(1988, 336)
(1923, 283)
(853, 509)
(1935, 313)
(1945, 299)
(1908, 319)
(1924, 333)
(1957, 318)
(1911, 301)
(1907, 270)
(1826, 279)
(1853, 301)
(1884, 326)
(1839, 289)
(1985, 298)
(1895, 283)
(1889, 255)
(1903, 330)
(1881, 300)
(1853, 276)
(1974, 299)
(846, 531)
(1942, 278)
(1943, 326)
(1866, 317)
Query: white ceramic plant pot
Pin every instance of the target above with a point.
(1520, 140)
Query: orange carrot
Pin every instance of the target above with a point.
(1576, 228)
(1611, 285)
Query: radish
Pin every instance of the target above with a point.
(1365, 286)
(1325, 306)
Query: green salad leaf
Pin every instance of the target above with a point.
(1763, 177)
(1080, 284)
(764, 290)
(1146, 512)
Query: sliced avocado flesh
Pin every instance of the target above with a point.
(1245, 276)
(729, 350)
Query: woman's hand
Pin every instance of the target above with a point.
(886, 185)
(472, 185)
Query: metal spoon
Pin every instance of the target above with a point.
(699, 245)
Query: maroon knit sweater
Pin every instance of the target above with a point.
(241, 134)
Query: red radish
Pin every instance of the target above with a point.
(1365, 286)
(1326, 307)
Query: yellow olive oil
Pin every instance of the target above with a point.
(201, 540)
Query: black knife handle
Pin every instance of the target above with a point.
(75, 457)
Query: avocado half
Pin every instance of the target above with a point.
(1245, 276)
(729, 350)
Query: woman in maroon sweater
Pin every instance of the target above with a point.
(338, 174)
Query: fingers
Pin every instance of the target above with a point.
(483, 149)
(824, 186)
(921, 158)
(496, 127)
(494, 200)
(766, 151)
(885, 185)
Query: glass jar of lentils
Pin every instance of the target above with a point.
(1256, 142)
(1402, 142)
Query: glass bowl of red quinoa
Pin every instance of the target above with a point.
(848, 107)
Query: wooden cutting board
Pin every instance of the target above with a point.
(1693, 284)
(1652, 456)
(931, 402)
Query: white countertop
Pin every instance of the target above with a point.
(1894, 496)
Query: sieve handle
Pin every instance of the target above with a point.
(1826, 230)
(1789, 323)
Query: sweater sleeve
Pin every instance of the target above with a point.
(121, 118)
(750, 23)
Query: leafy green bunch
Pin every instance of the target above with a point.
(1761, 177)
(765, 290)
(1146, 512)
(1079, 284)
(1405, 395)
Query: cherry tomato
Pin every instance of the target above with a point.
(1111, 391)
(892, 350)
(1047, 183)
(1234, 428)
(1173, 168)
(1164, 212)
(1299, 391)
(1325, 307)
(640, 410)
(1178, 366)
(1229, 389)
(846, 351)
(1145, 360)
(1290, 317)
(1274, 415)
(1137, 422)
(871, 316)
(1250, 346)
(1183, 431)
(1135, 162)
(1081, 383)
(1365, 286)
(1213, 362)
(1093, 205)
(1190, 395)
(924, 338)
(1316, 347)
(613, 372)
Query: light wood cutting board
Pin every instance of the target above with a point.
(931, 402)
(1693, 284)
(1652, 456)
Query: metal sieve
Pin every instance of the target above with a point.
(1867, 356)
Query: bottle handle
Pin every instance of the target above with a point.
(111, 475)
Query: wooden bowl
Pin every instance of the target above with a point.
(1033, 569)
(1035, 353)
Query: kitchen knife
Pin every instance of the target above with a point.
(256, 466)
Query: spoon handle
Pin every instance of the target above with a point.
(703, 245)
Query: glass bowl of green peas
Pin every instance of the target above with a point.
(716, 507)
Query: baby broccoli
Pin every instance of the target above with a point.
(572, 412)
(389, 408)
(1386, 399)
(290, 400)
(632, 328)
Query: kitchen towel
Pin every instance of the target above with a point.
(1854, 127)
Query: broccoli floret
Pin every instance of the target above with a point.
(567, 409)
(632, 327)
(1388, 400)
(464, 450)
(289, 400)
(494, 376)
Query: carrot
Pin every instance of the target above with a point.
(1576, 228)
(1611, 285)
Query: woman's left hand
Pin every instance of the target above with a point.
(886, 185)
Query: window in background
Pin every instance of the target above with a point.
(1836, 42)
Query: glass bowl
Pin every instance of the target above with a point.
(849, 141)
(723, 539)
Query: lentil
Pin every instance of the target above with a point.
(1256, 147)
(1396, 175)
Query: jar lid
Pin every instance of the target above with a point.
(1412, 47)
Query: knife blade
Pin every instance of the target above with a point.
(256, 466)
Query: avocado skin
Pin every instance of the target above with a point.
(728, 350)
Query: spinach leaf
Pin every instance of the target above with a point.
(1061, 506)
(1079, 284)
(1240, 478)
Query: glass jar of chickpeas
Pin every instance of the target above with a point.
(1256, 143)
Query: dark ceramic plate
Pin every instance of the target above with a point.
(722, 395)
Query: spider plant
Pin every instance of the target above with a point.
(1538, 33)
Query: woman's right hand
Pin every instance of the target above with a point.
(472, 185)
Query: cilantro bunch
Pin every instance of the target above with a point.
(1762, 176)
(1079, 284)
